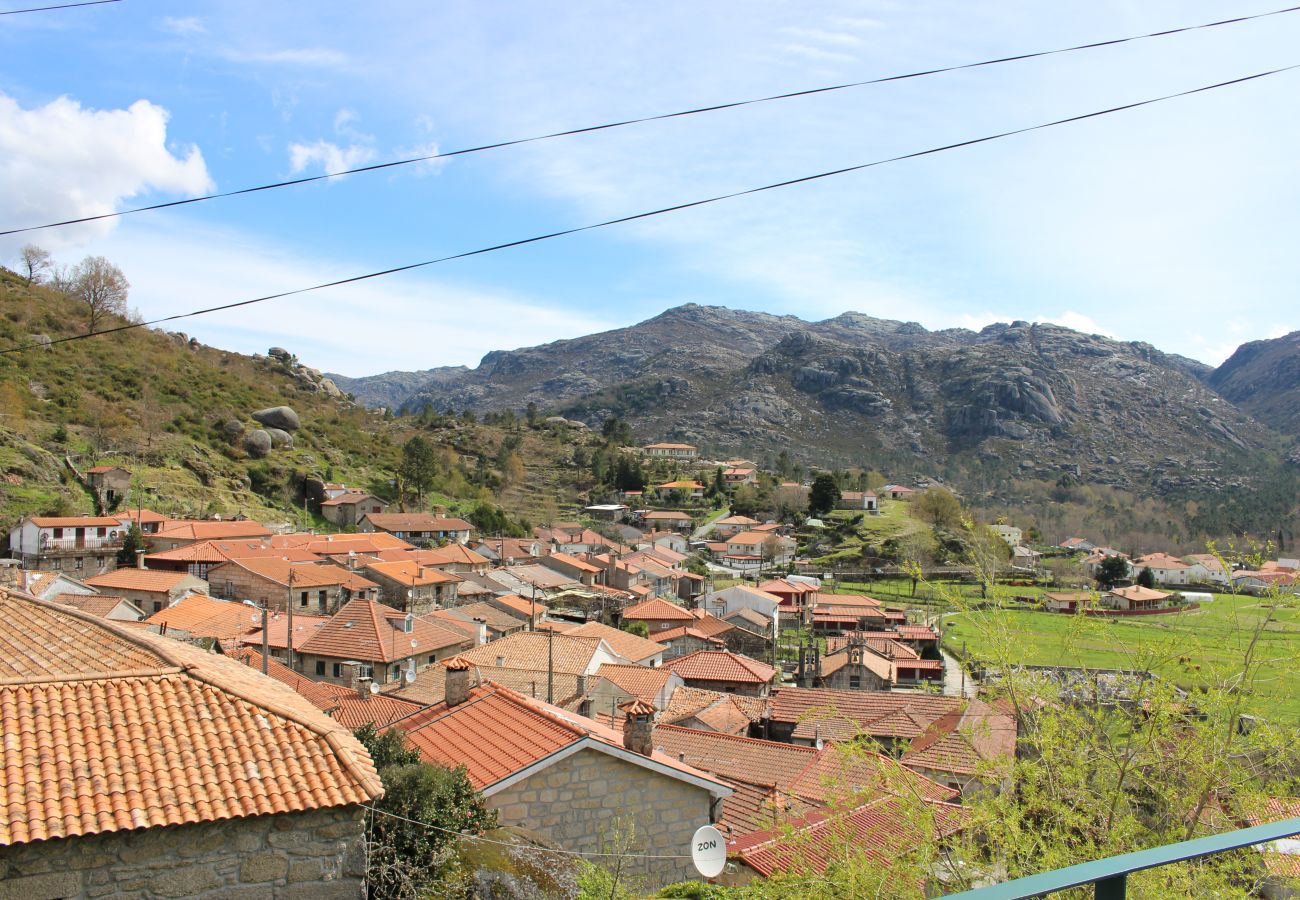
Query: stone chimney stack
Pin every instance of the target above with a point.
(458, 675)
(363, 686)
(638, 726)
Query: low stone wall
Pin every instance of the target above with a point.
(1161, 611)
(317, 855)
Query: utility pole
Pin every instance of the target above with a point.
(550, 665)
(266, 643)
(289, 610)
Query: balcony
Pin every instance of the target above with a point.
(55, 546)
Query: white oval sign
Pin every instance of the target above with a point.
(709, 851)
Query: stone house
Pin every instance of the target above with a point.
(273, 582)
(182, 534)
(110, 483)
(564, 777)
(729, 673)
(861, 501)
(347, 510)
(615, 684)
(109, 808)
(150, 590)
(658, 615)
(409, 586)
(78, 545)
(579, 570)
(366, 639)
(419, 528)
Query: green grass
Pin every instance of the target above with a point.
(1194, 648)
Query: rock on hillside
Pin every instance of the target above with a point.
(1263, 378)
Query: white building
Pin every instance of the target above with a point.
(1009, 533)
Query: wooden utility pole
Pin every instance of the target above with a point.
(266, 643)
(550, 665)
(289, 611)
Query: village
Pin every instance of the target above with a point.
(693, 668)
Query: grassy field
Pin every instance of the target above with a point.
(1192, 648)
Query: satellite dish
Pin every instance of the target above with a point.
(708, 851)
(374, 688)
(410, 677)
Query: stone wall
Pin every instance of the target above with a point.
(317, 855)
(577, 804)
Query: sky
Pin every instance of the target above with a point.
(1174, 224)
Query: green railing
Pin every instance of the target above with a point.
(1110, 875)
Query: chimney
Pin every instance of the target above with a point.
(363, 686)
(139, 559)
(457, 685)
(638, 726)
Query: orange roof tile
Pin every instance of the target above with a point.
(842, 715)
(304, 626)
(417, 522)
(75, 522)
(638, 681)
(687, 702)
(521, 606)
(203, 616)
(683, 631)
(368, 631)
(624, 643)
(335, 544)
(658, 610)
(280, 571)
(721, 665)
(576, 563)
(211, 531)
(138, 580)
(112, 729)
(411, 573)
(98, 605)
(531, 650)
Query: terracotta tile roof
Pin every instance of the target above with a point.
(141, 515)
(625, 644)
(321, 695)
(202, 616)
(721, 665)
(658, 610)
(751, 616)
(1134, 593)
(574, 562)
(138, 580)
(430, 684)
(448, 555)
(278, 571)
(847, 600)
(494, 618)
(1159, 561)
(521, 606)
(643, 682)
(97, 605)
(557, 625)
(529, 650)
(754, 807)
(211, 531)
(304, 626)
(368, 631)
(709, 623)
(349, 498)
(684, 631)
(841, 715)
(880, 829)
(673, 516)
(737, 520)
(725, 716)
(75, 522)
(411, 573)
(964, 739)
(111, 729)
(499, 732)
(686, 702)
(669, 446)
(335, 544)
(416, 522)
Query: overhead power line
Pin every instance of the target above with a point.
(14, 12)
(637, 121)
(655, 212)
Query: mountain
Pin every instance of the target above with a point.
(1263, 378)
(390, 390)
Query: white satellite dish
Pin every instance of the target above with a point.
(709, 851)
(374, 688)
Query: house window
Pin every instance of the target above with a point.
(58, 533)
(855, 681)
(397, 672)
(81, 562)
(322, 597)
(320, 667)
(432, 658)
(302, 600)
(157, 606)
(338, 670)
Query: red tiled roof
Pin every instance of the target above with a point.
(368, 631)
(304, 575)
(304, 626)
(111, 729)
(335, 544)
(683, 631)
(688, 702)
(416, 522)
(97, 605)
(138, 580)
(574, 562)
(537, 651)
(638, 681)
(720, 665)
(210, 531)
(841, 715)
(625, 644)
(498, 732)
(656, 609)
(75, 522)
(350, 498)
(203, 616)
(411, 573)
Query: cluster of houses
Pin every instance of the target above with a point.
(577, 676)
(1204, 571)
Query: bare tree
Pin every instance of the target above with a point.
(36, 261)
(101, 286)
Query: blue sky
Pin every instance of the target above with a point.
(1174, 224)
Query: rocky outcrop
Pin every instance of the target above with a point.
(1263, 377)
(257, 443)
(279, 437)
(282, 417)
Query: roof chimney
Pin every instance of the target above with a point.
(457, 685)
(363, 686)
(638, 726)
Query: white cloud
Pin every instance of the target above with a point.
(415, 320)
(63, 161)
(330, 156)
(186, 26)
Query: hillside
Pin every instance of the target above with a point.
(1263, 378)
(988, 411)
(175, 413)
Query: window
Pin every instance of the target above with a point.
(397, 672)
(323, 598)
(320, 667)
(338, 670)
(855, 681)
(302, 600)
(81, 562)
(432, 658)
(58, 533)
(157, 606)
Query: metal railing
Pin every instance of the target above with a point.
(1110, 876)
(66, 545)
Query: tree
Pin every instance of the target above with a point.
(36, 262)
(409, 854)
(1146, 578)
(419, 467)
(637, 627)
(101, 287)
(1112, 570)
(616, 431)
(131, 543)
(939, 507)
(533, 414)
(824, 495)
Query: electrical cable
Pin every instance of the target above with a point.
(484, 840)
(637, 121)
(648, 214)
(14, 12)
